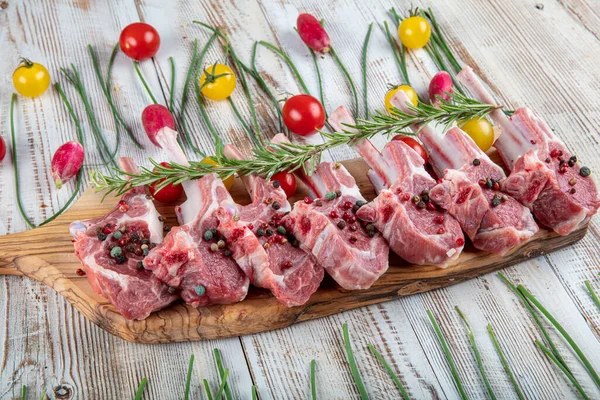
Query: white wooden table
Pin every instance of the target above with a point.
(540, 53)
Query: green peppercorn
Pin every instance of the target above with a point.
(489, 183)
(281, 230)
(330, 195)
(115, 252)
(200, 290)
(496, 201)
(260, 232)
(585, 171)
(360, 203)
(227, 253)
(208, 235)
(117, 235)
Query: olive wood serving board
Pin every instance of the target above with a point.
(47, 254)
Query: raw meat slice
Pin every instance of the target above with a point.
(133, 223)
(327, 226)
(195, 257)
(291, 273)
(469, 189)
(419, 232)
(544, 177)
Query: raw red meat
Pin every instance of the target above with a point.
(291, 273)
(470, 187)
(326, 225)
(544, 176)
(196, 257)
(132, 224)
(419, 232)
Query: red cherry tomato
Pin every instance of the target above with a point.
(139, 41)
(287, 182)
(303, 114)
(413, 144)
(169, 193)
(2, 149)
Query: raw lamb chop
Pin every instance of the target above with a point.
(419, 232)
(469, 189)
(111, 250)
(544, 177)
(291, 274)
(195, 257)
(326, 225)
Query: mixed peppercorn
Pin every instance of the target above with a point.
(124, 240)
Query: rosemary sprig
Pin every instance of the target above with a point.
(353, 367)
(136, 66)
(447, 354)
(139, 393)
(104, 85)
(593, 294)
(504, 362)
(390, 371)
(313, 385)
(364, 70)
(222, 373)
(562, 367)
(284, 156)
(188, 379)
(288, 61)
(477, 355)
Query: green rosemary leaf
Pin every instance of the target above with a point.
(364, 70)
(477, 355)
(288, 61)
(339, 62)
(172, 88)
(353, 367)
(563, 332)
(561, 366)
(504, 362)
(136, 66)
(313, 384)
(222, 373)
(592, 293)
(447, 354)
(139, 393)
(390, 371)
(188, 379)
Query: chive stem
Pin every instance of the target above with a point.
(395, 50)
(172, 88)
(390, 371)
(188, 379)
(319, 78)
(313, 384)
(447, 354)
(139, 393)
(444, 45)
(592, 293)
(207, 389)
(23, 392)
(504, 362)
(353, 367)
(364, 69)
(236, 111)
(108, 83)
(254, 394)
(223, 384)
(222, 373)
(348, 78)
(477, 355)
(563, 332)
(136, 66)
(184, 97)
(288, 61)
(43, 396)
(560, 365)
(261, 82)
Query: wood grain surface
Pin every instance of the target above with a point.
(540, 53)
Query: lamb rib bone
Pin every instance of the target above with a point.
(327, 227)
(494, 222)
(423, 236)
(544, 177)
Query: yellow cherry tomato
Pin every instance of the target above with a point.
(31, 79)
(217, 82)
(227, 182)
(414, 32)
(480, 130)
(410, 92)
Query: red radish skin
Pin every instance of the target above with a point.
(440, 87)
(2, 149)
(154, 118)
(67, 162)
(312, 33)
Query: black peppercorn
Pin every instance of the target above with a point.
(476, 162)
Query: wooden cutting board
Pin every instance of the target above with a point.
(46, 254)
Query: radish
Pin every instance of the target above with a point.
(154, 118)
(312, 33)
(440, 87)
(67, 162)
(2, 149)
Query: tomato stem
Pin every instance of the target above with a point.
(25, 62)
